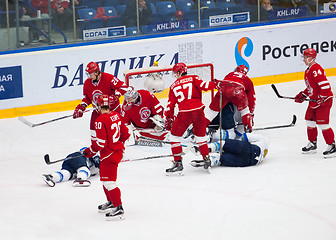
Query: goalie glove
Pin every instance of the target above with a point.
(300, 97)
(79, 110)
(159, 122)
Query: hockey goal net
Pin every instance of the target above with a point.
(164, 77)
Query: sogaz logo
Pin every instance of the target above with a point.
(240, 55)
(332, 7)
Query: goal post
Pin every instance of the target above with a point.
(159, 79)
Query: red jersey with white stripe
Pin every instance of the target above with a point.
(111, 133)
(317, 84)
(186, 91)
(242, 81)
(108, 85)
(140, 112)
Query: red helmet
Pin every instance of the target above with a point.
(180, 67)
(242, 69)
(103, 101)
(92, 67)
(310, 52)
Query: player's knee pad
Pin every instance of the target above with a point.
(83, 173)
(323, 126)
(310, 124)
(60, 176)
(210, 114)
(201, 139)
(173, 138)
(110, 185)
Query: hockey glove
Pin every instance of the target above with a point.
(88, 153)
(300, 97)
(79, 110)
(320, 100)
(168, 124)
(247, 121)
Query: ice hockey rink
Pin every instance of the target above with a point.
(288, 196)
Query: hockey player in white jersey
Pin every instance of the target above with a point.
(77, 167)
(249, 151)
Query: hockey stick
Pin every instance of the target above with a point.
(292, 124)
(220, 124)
(25, 121)
(280, 96)
(186, 150)
(48, 162)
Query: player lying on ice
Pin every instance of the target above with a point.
(250, 150)
(77, 167)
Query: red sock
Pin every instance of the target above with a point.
(328, 135)
(312, 134)
(106, 194)
(115, 196)
(176, 150)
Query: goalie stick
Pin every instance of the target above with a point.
(280, 96)
(25, 121)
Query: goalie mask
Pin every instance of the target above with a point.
(130, 98)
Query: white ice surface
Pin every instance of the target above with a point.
(288, 196)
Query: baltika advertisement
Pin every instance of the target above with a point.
(54, 76)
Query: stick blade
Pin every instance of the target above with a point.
(294, 120)
(25, 121)
(47, 159)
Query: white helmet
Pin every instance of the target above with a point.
(154, 84)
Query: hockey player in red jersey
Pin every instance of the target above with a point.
(111, 135)
(99, 83)
(238, 89)
(186, 92)
(144, 113)
(318, 112)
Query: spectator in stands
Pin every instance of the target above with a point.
(265, 8)
(24, 11)
(178, 16)
(61, 13)
(41, 5)
(130, 15)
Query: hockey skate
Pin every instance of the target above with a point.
(195, 150)
(330, 151)
(205, 163)
(48, 178)
(106, 207)
(116, 214)
(310, 148)
(81, 183)
(176, 168)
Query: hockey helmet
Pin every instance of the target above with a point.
(154, 83)
(103, 101)
(180, 67)
(131, 95)
(242, 69)
(310, 52)
(92, 67)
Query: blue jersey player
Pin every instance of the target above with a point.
(249, 151)
(77, 167)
